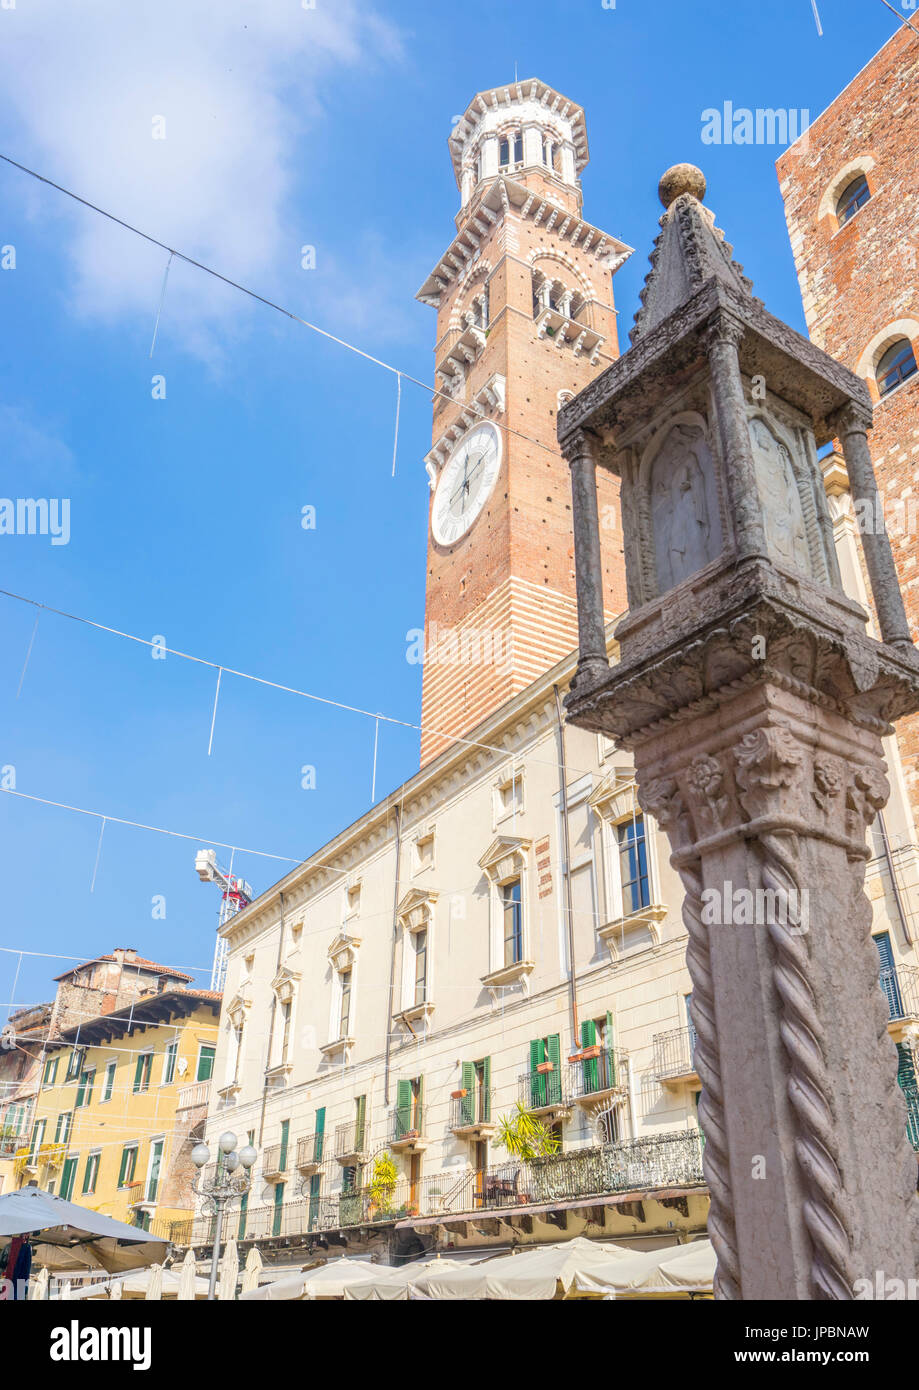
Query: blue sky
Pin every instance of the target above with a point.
(284, 127)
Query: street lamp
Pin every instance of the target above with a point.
(232, 1177)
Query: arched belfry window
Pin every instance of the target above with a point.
(854, 196)
(895, 366)
(510, 147)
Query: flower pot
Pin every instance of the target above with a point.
(546, 1066)
(458, 1095)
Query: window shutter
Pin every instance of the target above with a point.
(403, 1108)
(360, 1118)
(554, 1078)
(467, 1104)
(609, 1043)
(591, 1074)
(122, 1170)
(537, 1086)
(906, 1076)
(486, 1081)
(319, 1137)
(138, 1073)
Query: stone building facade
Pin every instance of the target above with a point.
(851, 193)
(504, 930)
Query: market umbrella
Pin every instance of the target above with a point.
(136, 1285)
(187, 1278)
(66, 1236)
(252, 1270)
(547, 1271)
(154, 1283)
(671, 1272)
(229, 1269)
(390, 1283)
(66, 1290)
(324, 1281)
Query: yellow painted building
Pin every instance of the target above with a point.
(121, 1103)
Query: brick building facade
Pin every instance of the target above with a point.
(525, 318)
(852, 208)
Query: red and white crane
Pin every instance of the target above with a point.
(236, 894)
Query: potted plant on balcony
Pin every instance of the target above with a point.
(524, 1136)
(382, 1186)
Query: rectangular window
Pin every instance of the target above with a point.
(633, 865)
(142, 1072)
(75, 1063)
(344, 1022)
(518, 149)
(85, 1088)
(169, 1062)
(108, 1084)
(421, 966)
(68, 1173)
(63, 1127)
(285, 1029)
(205, 1062)
(50, 1075)
(91, 1173)
(504, 153)
(128, 1165)
(38, 1137)
(278, 1209)
(153, 1173)
(513, 922)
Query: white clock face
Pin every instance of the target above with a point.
(466, 483)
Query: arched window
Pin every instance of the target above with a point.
(854, 196)
(510, 145)
(897, 363)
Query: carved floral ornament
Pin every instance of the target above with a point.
(768, 773)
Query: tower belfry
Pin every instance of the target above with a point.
(525, 318)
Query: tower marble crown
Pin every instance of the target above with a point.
(525, 319)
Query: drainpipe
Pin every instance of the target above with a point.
(392, 958)
(898, 899)
(563, 767)
(274, 1009)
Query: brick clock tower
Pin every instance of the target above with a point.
(525, 319)
(853, 217)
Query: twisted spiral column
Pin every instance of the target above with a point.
(715, 1162)
(825, 1213)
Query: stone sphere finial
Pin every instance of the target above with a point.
(681, 178)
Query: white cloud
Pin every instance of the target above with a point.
(238, 85)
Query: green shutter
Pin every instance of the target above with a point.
(467, 1104)
(610, 1050)
(123, 1168)
(906, 1076)
(403, 1108)
(319, 1137)
(537, 1087)
(486, 1082)
(67, 1176)
(360, 1122)
(138, 1073)
(278, 1209)
(554, 1078)
(315, 1182)
(591, 1070)
(285, 1138)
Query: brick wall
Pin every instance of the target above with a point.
(860, 282)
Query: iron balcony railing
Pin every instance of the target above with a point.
(674, 1053)
(670, 1159)
(900, 984)
(406, 1122)
(275, 1158)
(310, 1150)
(541, 1090)
(595, 1076)
(475, 1107)
(350, 1139)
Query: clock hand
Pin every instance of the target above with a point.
(462, 485)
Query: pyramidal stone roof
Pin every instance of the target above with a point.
(689, 250)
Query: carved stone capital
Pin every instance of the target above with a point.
(770, 763)
(855, 417)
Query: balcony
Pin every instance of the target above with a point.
(471, 1112)
(192, 1096)
(10, 1143)
(406, 1129)
(274, 1164)
(543, 1092)
(598, 1076)
(674, 1052)
(900, 986)
(662, 1163)
(568, 332)
(351, 1143)
(310, 1149)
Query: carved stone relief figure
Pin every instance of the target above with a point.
(684, 506)
(786, 535)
